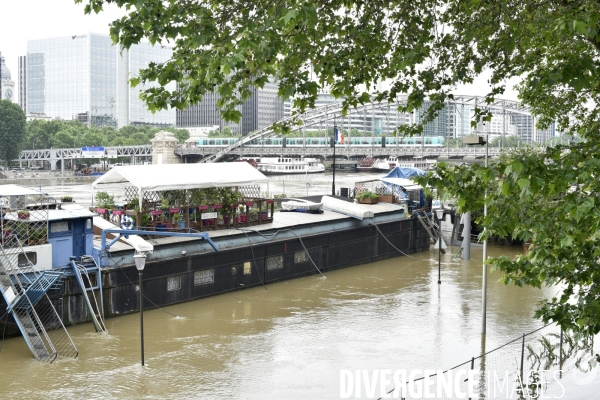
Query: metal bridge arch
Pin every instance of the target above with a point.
(330, 112)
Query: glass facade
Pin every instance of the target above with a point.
(76, 77)
(103, 81)
(56, 76)
(139, 57)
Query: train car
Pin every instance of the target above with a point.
(358, 141)
(216, 142)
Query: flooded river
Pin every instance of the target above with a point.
(292, 340)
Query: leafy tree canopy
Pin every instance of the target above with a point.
(40, 134)
(12, 130)
(421, 49)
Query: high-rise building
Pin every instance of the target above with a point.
(262, 109)
(22, 82)
(206, 114)
(259, 111)
(85, 77)
(374, 119)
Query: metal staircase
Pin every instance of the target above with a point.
(25, 291)
(94, 302)
(432, 228)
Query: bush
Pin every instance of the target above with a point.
(367, 195)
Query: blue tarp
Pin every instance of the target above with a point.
(405, 172)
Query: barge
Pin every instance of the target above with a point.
(85, 269)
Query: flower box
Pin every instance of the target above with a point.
(202, 208)
(269, 201)
(385, 198)
(242, 218)
(156, 212)
(173, 210)
(117, 212)
(368, 201)
(101, 210)
(23, 215)
(249, 203)
(217, 206)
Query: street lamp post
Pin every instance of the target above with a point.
(140, 263)
(335, 136)
(439, 214)
(484, 278)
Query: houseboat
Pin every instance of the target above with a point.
(62, 264)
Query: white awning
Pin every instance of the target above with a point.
(17, 190)
(159, 177)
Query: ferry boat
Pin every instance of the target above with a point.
(62, 264)
(288, 165)
(389, 163)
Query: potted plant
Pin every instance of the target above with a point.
(177, 220)
(103, 202)
(367, 197)
(66, 199)
(23, 214)
(386, 197)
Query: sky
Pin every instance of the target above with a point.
(23, 20)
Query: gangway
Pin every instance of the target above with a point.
(25, 291)
(94, 303)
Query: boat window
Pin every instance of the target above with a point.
(247, 268)
(26, 258)
(204, 277)
(60, 226)
(275, 262)
(300, 256)
(173, 283)
(88, 224)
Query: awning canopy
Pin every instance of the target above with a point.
(17, 190)
(160, 177)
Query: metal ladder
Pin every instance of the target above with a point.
(95, 304)
(25, 291)
(432, 228)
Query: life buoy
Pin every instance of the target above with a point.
(127, 222)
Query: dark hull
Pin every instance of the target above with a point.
(330, 250)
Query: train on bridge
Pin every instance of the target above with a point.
(358, 141)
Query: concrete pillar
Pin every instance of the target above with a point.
(163, 148)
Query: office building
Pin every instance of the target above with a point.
(260, 110)
(85, 77)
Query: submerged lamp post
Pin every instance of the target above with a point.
(439, 213)
(140, 263)
(479, 140)
(334, 139)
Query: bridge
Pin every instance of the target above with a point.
(59, 158)
(386, 116)
(380, 117)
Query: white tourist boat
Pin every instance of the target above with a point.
(288, 165)
(389, 163)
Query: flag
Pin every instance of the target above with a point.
(335, 133)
